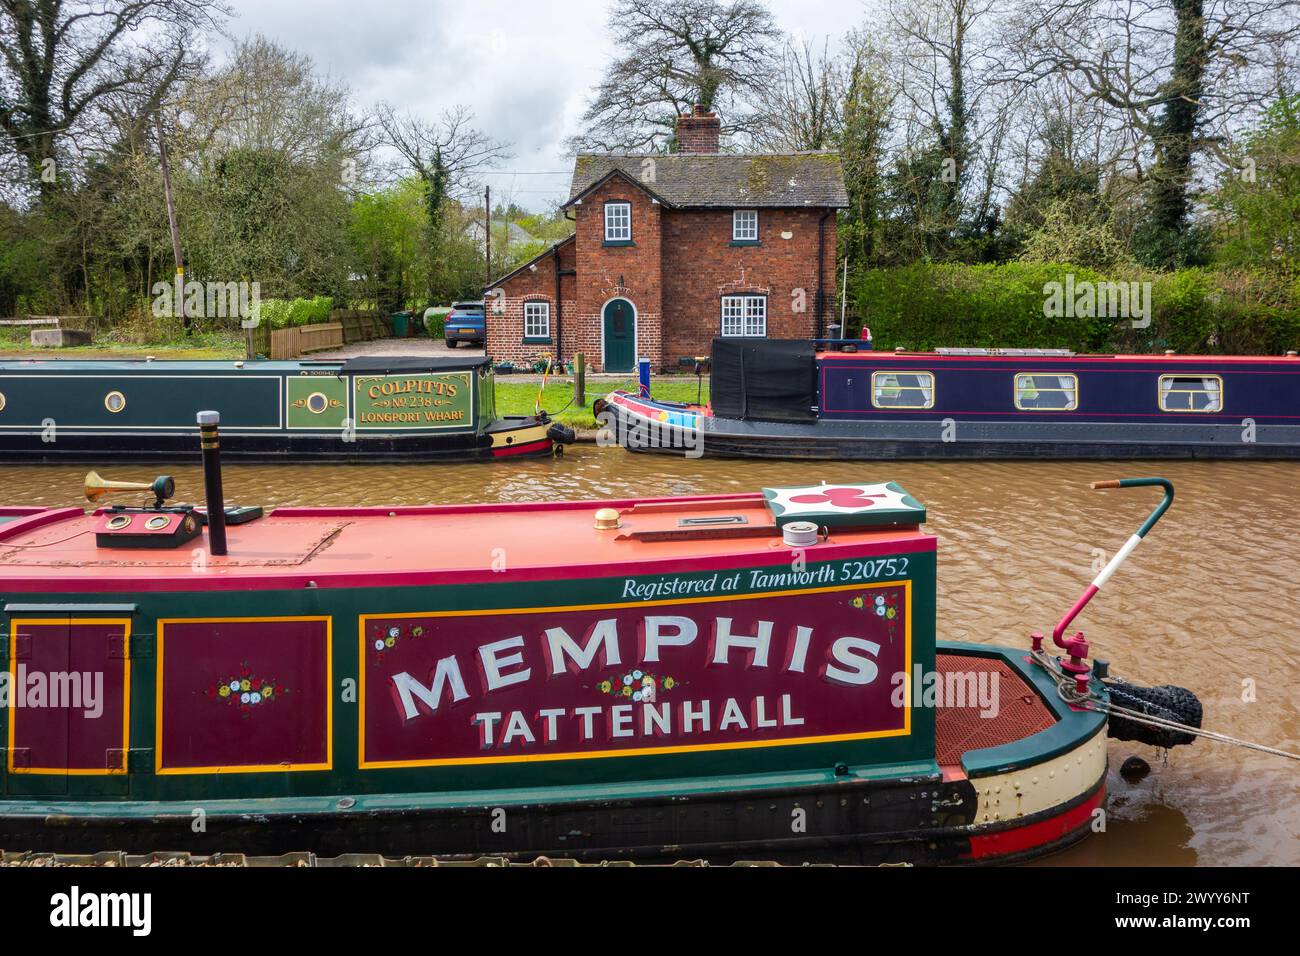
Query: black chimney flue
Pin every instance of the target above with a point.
(208, 422)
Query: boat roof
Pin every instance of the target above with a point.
(1022, 356)
(44, 550)
(364, 365)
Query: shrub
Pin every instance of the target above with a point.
(435, 320)
(284, 313)
(1002, 306)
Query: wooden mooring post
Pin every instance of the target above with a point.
(580, 379)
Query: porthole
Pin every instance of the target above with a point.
(118, 522)
(317, 403)
(157, 523)
(2, 401)
(115, 401)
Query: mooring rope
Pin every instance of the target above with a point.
(1065, 687)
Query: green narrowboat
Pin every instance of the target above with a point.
(369, 410)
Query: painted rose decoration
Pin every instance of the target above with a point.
(246, 690)
(385, 638)
(638, 686)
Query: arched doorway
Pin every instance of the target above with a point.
(618, 348)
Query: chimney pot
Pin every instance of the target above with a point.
(698, 131)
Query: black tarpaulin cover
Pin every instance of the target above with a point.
(773, 380)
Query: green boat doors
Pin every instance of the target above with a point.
(620, 336)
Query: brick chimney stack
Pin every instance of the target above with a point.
(698, 131)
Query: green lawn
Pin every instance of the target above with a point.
(16, 343)
(517, 398)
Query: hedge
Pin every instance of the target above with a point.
(283, 313)
(924, 306)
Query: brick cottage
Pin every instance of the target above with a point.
(671, 250)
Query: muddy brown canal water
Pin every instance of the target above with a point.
(1211, 600)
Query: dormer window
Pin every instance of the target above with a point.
(618, 222)
(744, 226)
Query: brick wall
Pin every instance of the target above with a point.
(675, 274)
(505, 328)
(700, 266)
(628, 272)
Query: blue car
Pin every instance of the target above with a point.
(464, 323)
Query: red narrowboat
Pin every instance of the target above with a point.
(741, 676)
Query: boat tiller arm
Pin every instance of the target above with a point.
(1077, 646)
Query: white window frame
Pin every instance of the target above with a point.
(1163, 393)
(1074, 402)
(744, 316)
(534, 311)
(751, 216)
(618, 228)
(930, 388)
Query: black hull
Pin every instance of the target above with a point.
(854, 441)
(923, 822)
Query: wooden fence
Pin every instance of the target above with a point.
(345, 326)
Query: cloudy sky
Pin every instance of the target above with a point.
(525, 68)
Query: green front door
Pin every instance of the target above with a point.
(620, 336)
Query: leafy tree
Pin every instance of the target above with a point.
(1258, 203)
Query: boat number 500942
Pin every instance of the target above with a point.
(870, 570)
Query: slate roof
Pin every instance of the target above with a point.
(685, 180)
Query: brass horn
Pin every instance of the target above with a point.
(163, 487)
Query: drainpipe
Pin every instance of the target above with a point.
(559, 315)
(821, 273)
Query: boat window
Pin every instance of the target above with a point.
(115, 401)
(902, 389)
(1191, 393)
(1057, 392)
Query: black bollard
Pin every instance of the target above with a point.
(208, 422)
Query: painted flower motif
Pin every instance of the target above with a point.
(857, 601)
(880, 612)
(880, 600)
(417, 631)
(394, 632)
(379, 643)
(640, 685)
(389, 642)
(891, 613)
(246, 691)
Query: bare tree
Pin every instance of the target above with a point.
(678, 54)
(801, 106)
(269, 97)
(1182, 74)
(450, 148)
(62, 61)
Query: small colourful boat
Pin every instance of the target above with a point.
(366, 410)
(736, 676)
(788, 399)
